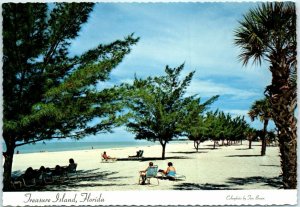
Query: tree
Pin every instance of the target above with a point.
(262, 109)
(47, 92)
(269, 33)
(250, 133)
(215, 128)
(223, 126)
(194, 124)
(157, 106)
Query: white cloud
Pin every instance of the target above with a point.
(207, 88)
(237, 112)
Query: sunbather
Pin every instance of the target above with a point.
(106, 157)
(137, 154)
(40, 174)
(72, 165)
(143, 173)
(58, 171)
(171, 171)
(29, 177)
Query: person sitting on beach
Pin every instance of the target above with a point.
(138, 154)
(106, 157)
(30, 175)
(143, 173)
(58, 171)
(48, 176)
(72, 165)
(171, 171)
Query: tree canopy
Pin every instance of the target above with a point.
(158, 106)
(48, 93)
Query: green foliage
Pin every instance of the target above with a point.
(158, 109)
(157, 105)
(194, 123)
(47, 92)
(223, 126)
(261, 109)
(267, 30)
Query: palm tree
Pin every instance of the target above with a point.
(269, 33)
(261, 109)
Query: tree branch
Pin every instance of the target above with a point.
(38, 140)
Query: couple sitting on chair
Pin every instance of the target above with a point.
(151, 172)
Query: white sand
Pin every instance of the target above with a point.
(228, 167)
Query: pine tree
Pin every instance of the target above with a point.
(47, 92)
(158, 106)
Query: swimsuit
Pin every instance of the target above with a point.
(171, 173)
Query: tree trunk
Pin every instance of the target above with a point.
(163, 150)
(283, 98)
(263, 138)
(241, 142)
(250, 143)
(8, 155)
(196, 144)
(283, 108)
(214, 144)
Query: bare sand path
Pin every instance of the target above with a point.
(227, 167)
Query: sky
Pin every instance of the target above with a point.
(201, 35)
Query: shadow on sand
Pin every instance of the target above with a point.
(270, 165)
(244, 149)
(86, 178)
(275, 182)
(190, 152)
(232, 184)
(206, 186)
(243, 156)
(152, 158)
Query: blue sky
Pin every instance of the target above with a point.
(199, 34)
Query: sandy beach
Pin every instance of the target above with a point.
(224, 168)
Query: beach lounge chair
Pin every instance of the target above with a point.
(28, 181)
(139, 155)
(150, 173)
(47, 176)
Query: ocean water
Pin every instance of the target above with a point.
(70, 146)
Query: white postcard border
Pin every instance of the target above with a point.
(158, 197)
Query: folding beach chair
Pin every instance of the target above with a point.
(71, 171)
(150, 173)
(28, 181)
(48, 178)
